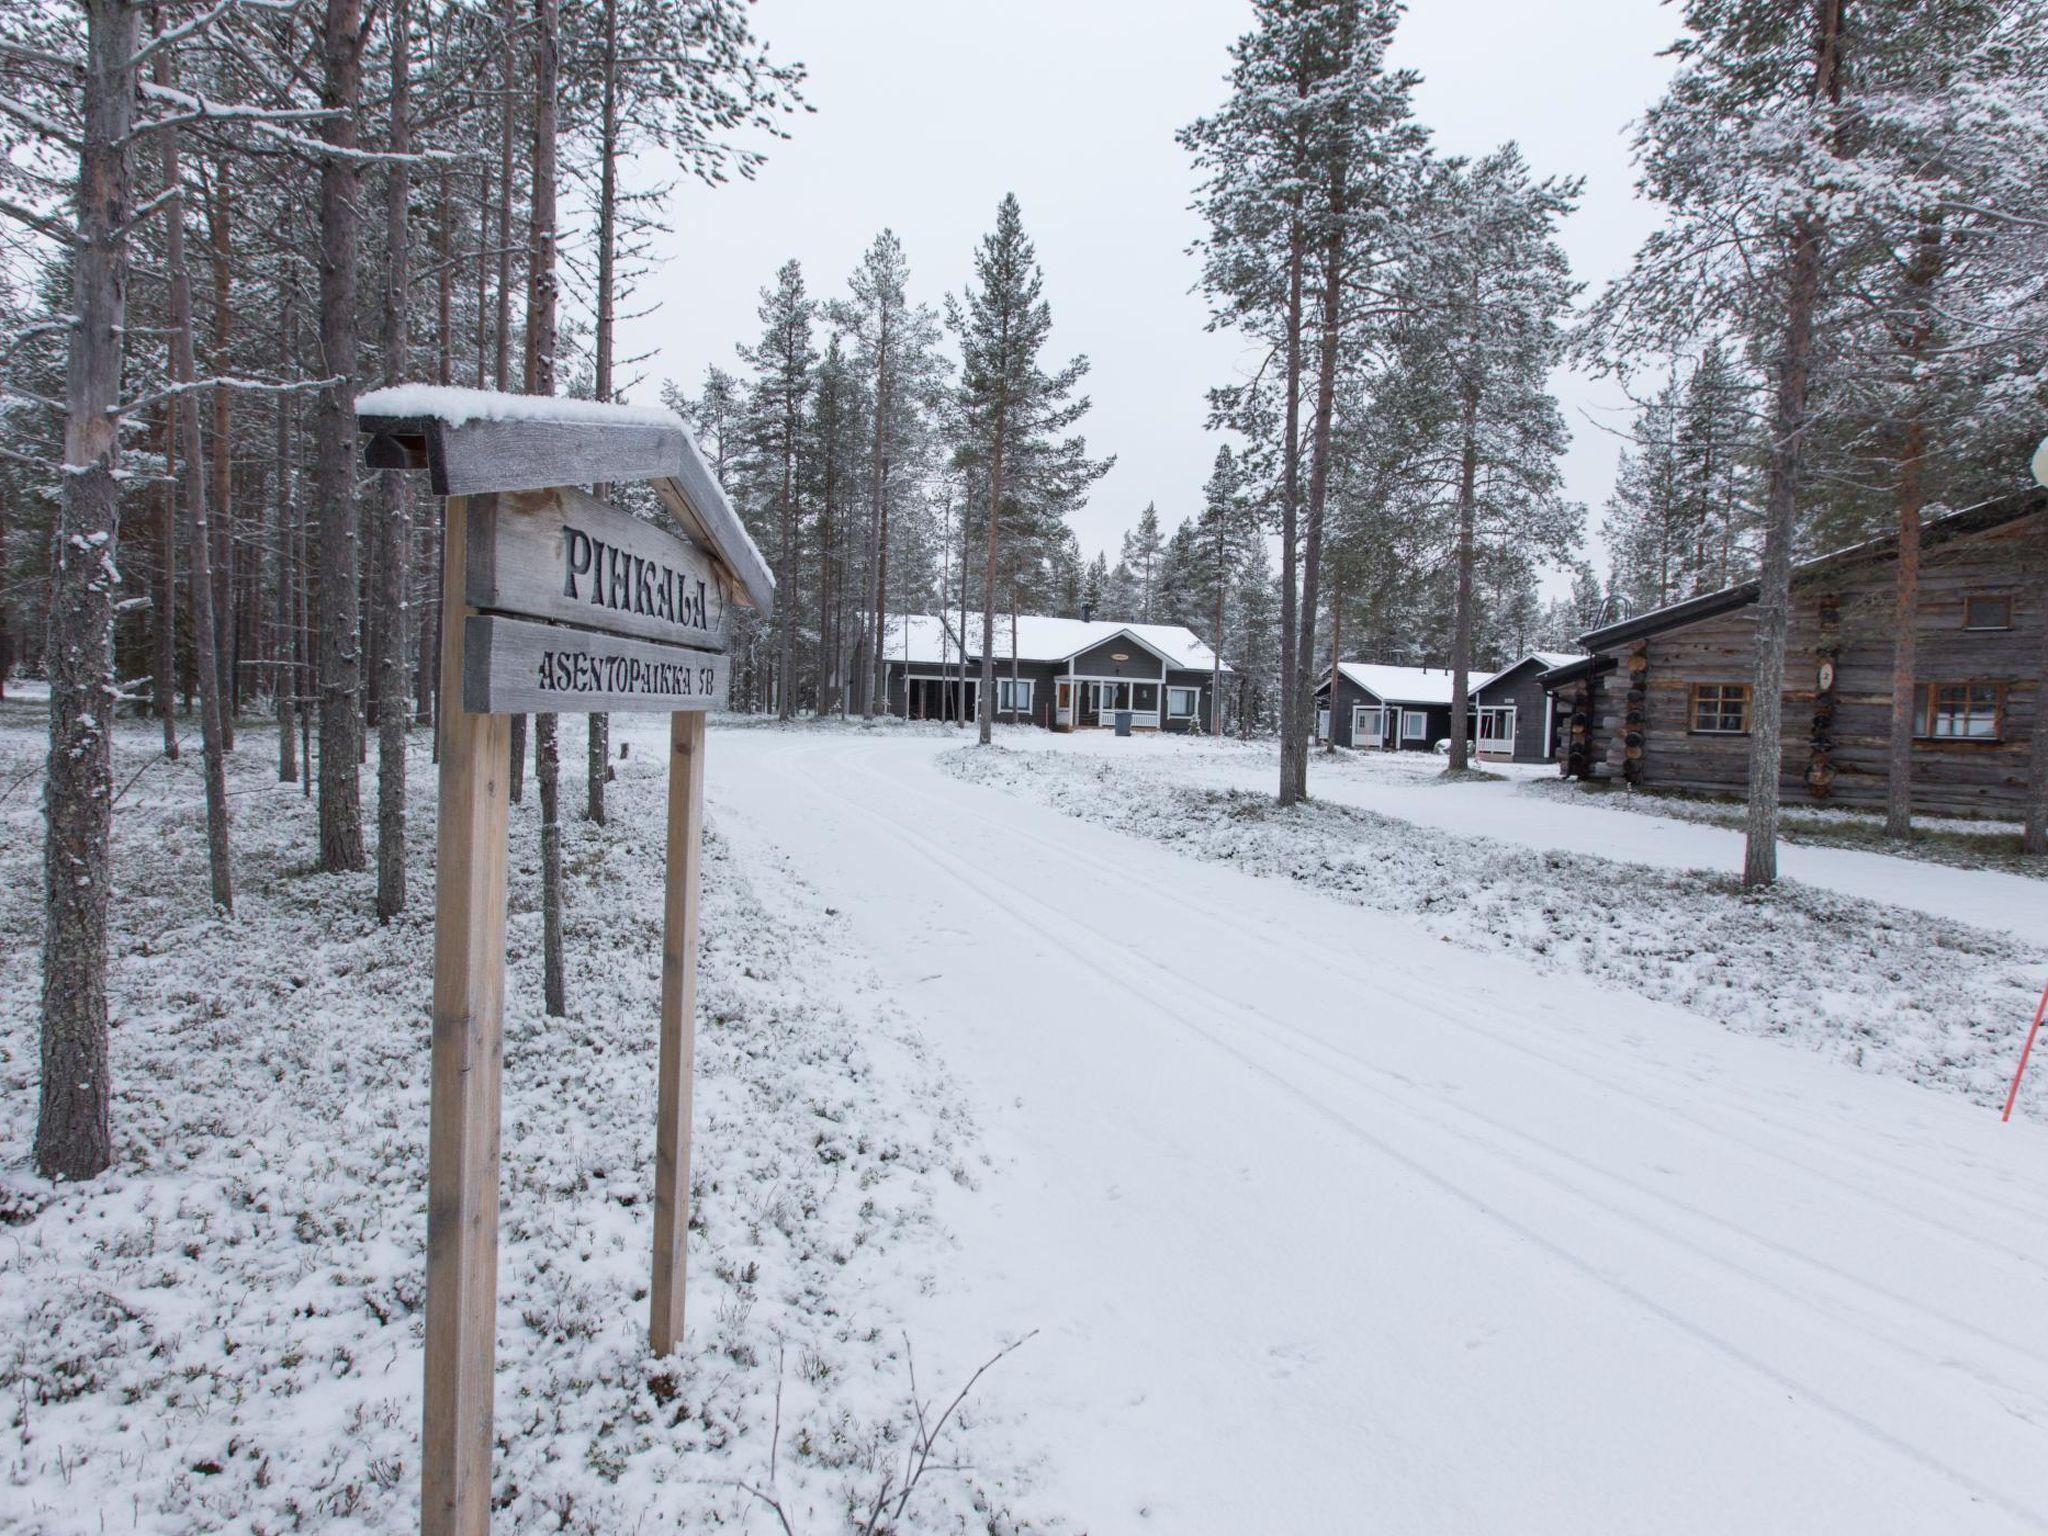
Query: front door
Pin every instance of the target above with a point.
(1063, 705)
(1368, 727)
(1497, 731)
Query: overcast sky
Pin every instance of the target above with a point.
(930, 110)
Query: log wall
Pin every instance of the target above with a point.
(1847, 614)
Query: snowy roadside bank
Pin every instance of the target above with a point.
(224, 1332)
(1878, 987)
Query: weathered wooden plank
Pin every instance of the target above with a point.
(515, 666)
(699, 502)
(467, 1060)
(678, 1050)
(529, 452)
(563, 555)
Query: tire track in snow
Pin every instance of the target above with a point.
(1066, 934)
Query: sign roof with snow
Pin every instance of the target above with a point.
(475, 441)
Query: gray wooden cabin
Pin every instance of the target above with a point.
(1375, 708)
(1664, 699)
(1515, 718)
(1062, 674)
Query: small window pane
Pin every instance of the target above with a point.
(1721, 708)
(1987, 613)
(1963, 711)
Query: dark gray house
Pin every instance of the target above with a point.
(1387, 709)
(1063, 674)
(1517, 719)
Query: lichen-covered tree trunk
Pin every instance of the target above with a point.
(1788, 426)
(394, 524)
(73, 1138)
(1461, 623)
(199, 536)
(339, 626)
(540, 380)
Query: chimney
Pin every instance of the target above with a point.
(1087, 613)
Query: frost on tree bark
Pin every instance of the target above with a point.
(2035, 838)
(1920, 277)
(1788, 425)
(72, 1135)
(540, 380)
(597, 741)
(1461, 626)
(394, 528)
(340, 619)
(205, 630)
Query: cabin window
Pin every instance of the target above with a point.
(1987, 612)
(1145, 698)
(1721, 709)
(1970, 711)
(1831, 610)
(1414, 725)
(1013, 695)
(1180, 703)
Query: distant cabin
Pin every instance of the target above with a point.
(1515, 718)
(1387, 709)
(1665, 699)
(1063, 674)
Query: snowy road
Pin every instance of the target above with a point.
(1329, 1225)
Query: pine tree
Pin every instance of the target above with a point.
(1011, 416)
(1305, 170)
(1142, 549)
(1484, 295)
(1224, 538)
(782, 361)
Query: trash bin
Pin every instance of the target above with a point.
(1123, 722)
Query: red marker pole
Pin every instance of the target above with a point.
(2028, 1049)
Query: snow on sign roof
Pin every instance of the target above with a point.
(924, 639)
(1407, 685)
(476, 441)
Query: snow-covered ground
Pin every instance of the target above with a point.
(1332, 1209)
(223, 1333)
(1521, 808)
(1330, 1224)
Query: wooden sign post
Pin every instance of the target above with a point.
(551, 601)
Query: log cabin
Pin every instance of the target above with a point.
(1664, 699)
(1063, 674)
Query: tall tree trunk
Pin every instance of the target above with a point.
(1293, 738)
(394, 522)
(597, 744)
(984, 704)
(73, 1140)
(1329, 322)
(1920, 278)
(205, 632)
(221, 508)
(2035, 838)
(1216, 644)
(1781, 499)
(340, 624)
(785, 612)
(1461, 625)
(878, 536)
(165, 688)
(540, 380)
(1336, 655)
(287, 618)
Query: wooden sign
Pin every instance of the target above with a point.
(515, 667)
(553, 602)
(562, 555)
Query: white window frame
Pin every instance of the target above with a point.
(1500, 711)
(1414, 725)
(1360, 736)
(1194, 697)
(1006, 688)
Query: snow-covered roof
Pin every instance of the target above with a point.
(925, 639)
(1408, 685)
(481, 440)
